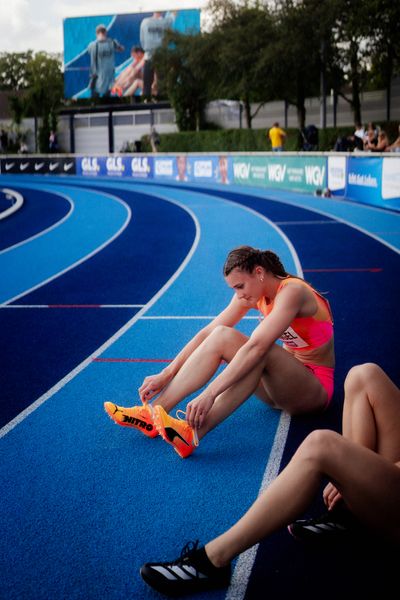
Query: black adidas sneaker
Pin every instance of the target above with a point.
(331, 525)
(191, 572)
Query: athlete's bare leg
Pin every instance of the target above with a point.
(280, 380)
(371, 416)
(362, 476)
(371, 413)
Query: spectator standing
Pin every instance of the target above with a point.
(154, 139)
(53, 142)
(277, 137)
(4, 140)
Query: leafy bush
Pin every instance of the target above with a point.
(249, 140)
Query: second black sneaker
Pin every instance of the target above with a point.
(331, 525)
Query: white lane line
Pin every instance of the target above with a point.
(88, 361)
(18, 203)
(54, 226)
(84, 258)
(306, 222)
(359, 208)
(245, 562)
(244, 565)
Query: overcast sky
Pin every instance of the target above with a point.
(37, 24)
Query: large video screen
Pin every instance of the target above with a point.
(111, 55)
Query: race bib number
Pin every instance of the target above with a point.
(292, 340)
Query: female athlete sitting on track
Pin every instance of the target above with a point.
(362, 467)
(297, 377)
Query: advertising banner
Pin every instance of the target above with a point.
(196, 169)
(337, 174)
(38, 166)
(364, 179)
(115, 166)
(111, 55)
(297, 173)
(391, 179)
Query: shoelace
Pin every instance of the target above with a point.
(186, 552)
(195, 436)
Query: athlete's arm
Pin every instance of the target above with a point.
(229, 317)
(287, 306)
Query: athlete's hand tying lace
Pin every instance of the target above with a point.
(152, 385)
(197, 409)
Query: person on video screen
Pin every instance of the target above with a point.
(102, 62)
(152, 30)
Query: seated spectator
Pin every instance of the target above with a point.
(359, 131)
(382, 143)
(310, 138)
(395, 147)
(370, 140)
(23, 148)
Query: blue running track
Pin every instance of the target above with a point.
(102, 282)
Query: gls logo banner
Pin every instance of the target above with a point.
(89, 165)
(115, 166)
(142, 167)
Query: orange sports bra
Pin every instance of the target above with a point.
(304, 332)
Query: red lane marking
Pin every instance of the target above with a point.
(370, 270)
(133, 360)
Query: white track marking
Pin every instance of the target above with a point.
(84, 258)
(58, 386)
(244, 565)
(54, 226)
(19, 201)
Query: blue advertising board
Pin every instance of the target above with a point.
(364, 179)
(196, 169)
(140, 167)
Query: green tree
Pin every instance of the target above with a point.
(244, 37)
(352, 33)
(303, 51)
(13, 68)
(38, 82)
(184, 62)
(385, 47)
(44, 93)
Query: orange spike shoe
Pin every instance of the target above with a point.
(138, 417)
(177, 432)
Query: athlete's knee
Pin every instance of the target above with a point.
(360, 377)
(223, 333)
(318, 446)
(219, 337)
